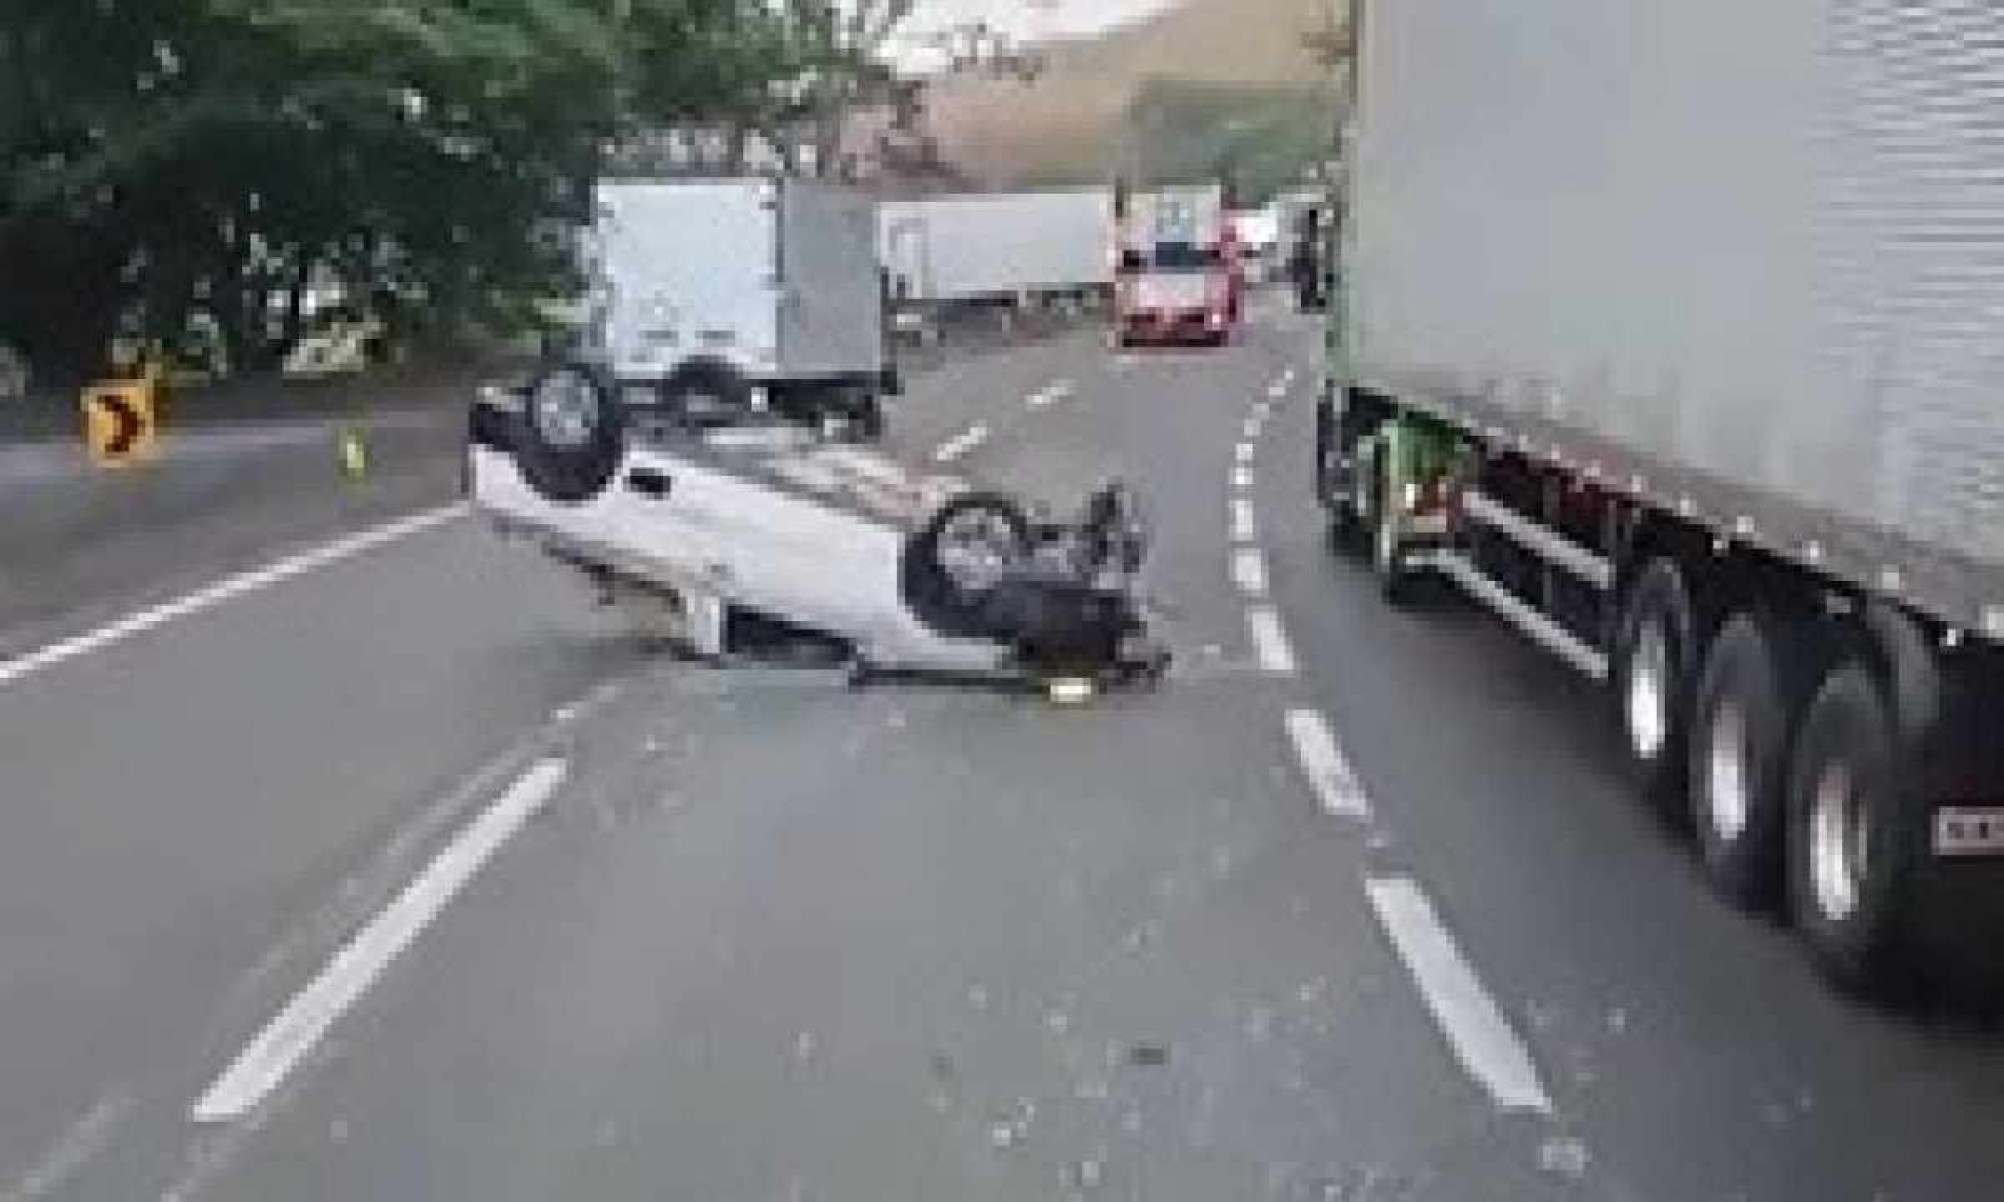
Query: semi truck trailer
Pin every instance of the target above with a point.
(1000, 246)
(1674, 334)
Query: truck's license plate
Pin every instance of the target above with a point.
(1968, 831)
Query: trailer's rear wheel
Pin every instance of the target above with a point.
(1851, 851)
(1650, 677)
(1737, 785)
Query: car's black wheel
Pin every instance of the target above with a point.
(1737, 775)
(569, 434)
(953, 567)
(1854, 850)
(1650, 674)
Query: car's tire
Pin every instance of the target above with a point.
(705, 392)
(952, 566)
(1737, 777)
(1854, 849)
(1650, 672)
(569, 434)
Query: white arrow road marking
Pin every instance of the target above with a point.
(280, 1046)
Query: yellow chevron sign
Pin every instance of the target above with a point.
(120, 419)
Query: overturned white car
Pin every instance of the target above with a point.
(763, 521)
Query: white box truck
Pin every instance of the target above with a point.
(1671, 333)
(723, 294)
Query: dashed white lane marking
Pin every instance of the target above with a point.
(1243, 452)
(1482, 1039)
(1249, 571)
(1242, 520)
(960, 444)
(1325, 766)
(1263, 410)
(279, 1047)
(1287, 378)
(1276, 390)
(228, 588)
(1252, 426)
(1242, 479)
(1269, 640)
(1050, 394)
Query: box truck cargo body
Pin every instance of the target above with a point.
(1671, 333)
(740, 284)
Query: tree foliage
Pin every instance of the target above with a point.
(162, 160)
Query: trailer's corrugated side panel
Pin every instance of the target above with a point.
(967, 246)
(1759, 242)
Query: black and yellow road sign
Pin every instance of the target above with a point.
(120, 419)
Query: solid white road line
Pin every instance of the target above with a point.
(953, 448)
(1476, 1030)
(1249, 571)
(228, 588)
(1242, 479)
(1325, 766)
(1244, 452)
(1050, 394)
(1270, 646)
(277, 1049)
(1242, 520)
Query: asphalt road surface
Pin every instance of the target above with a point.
(390, 867)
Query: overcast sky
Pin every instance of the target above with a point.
(1019, 18)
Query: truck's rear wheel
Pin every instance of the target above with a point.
(1737, 773)
(1852, 852)
(1650, 677)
